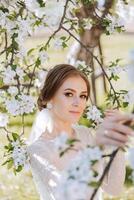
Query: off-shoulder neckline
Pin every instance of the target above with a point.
(74, 126)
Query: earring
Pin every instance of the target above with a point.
(49, 106)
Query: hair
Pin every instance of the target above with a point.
(55, 78)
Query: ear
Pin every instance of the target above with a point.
(49, 105)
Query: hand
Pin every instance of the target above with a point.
(113, 131)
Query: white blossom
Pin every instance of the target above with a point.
(72, 190)
(19, 71)
(8, 75)
(10, 26)
(80, 63)
(24, 104)
(34, 6)
(60, 142)
(53, 14)
(4, 119)
(2, 95)
(100, 4)
(94, 114)
(2, 19)
(41, 77)
(25, 26)
(13, 90)
(52, 20)
(114, 22)
(58, 43)
(19, 154)
(129, 97)
(75, 179)
(116, 70)
(16, 143)
(43, 56)
(87, 23)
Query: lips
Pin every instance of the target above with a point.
(74, 112)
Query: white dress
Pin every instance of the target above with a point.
(46, 166)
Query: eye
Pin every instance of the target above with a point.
(83, 96)
(68, 94)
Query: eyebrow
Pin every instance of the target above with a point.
(75, 90)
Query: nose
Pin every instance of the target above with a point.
(75, 101)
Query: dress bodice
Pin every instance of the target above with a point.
(46, 165)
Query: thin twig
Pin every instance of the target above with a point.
(105, 172)
(95, 57)
(60, 25)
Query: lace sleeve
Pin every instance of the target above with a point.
(44, 174)
(114, 181)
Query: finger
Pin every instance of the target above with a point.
(109, 141)
(120, 117)
(117, 136)
(111, 112)
(121, 129)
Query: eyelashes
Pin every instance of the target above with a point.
(69, 94)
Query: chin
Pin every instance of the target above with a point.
(73, 121)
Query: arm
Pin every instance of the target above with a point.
(41, 170)
(113, 132)
(114, 181)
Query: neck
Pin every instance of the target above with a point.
(60, 126)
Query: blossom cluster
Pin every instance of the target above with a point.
(4, 119)
(19, 154)
(16, 153)
(79, 174)
(95, 115)
(23, 105)
(113, 23)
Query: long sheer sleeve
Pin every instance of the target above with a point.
(114, 181)
(44, 173)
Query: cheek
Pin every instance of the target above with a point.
(61, 104)
(83, 104)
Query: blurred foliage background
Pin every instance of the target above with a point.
(21, 187)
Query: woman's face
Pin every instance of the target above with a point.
(69, 101)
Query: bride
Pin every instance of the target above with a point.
(61, 102)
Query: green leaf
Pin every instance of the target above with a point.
(19, 168)
(30, 51)
(115, 77)
(61, 153)
(71, 141)
(14, 67)
(63, 38)
(9, 147)
(10, 164)
(38, 62)
(15, 136)
(41, 2)
(125, 104)
(94, 184)
(26, 78)
(64, 45)
(5, 162)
